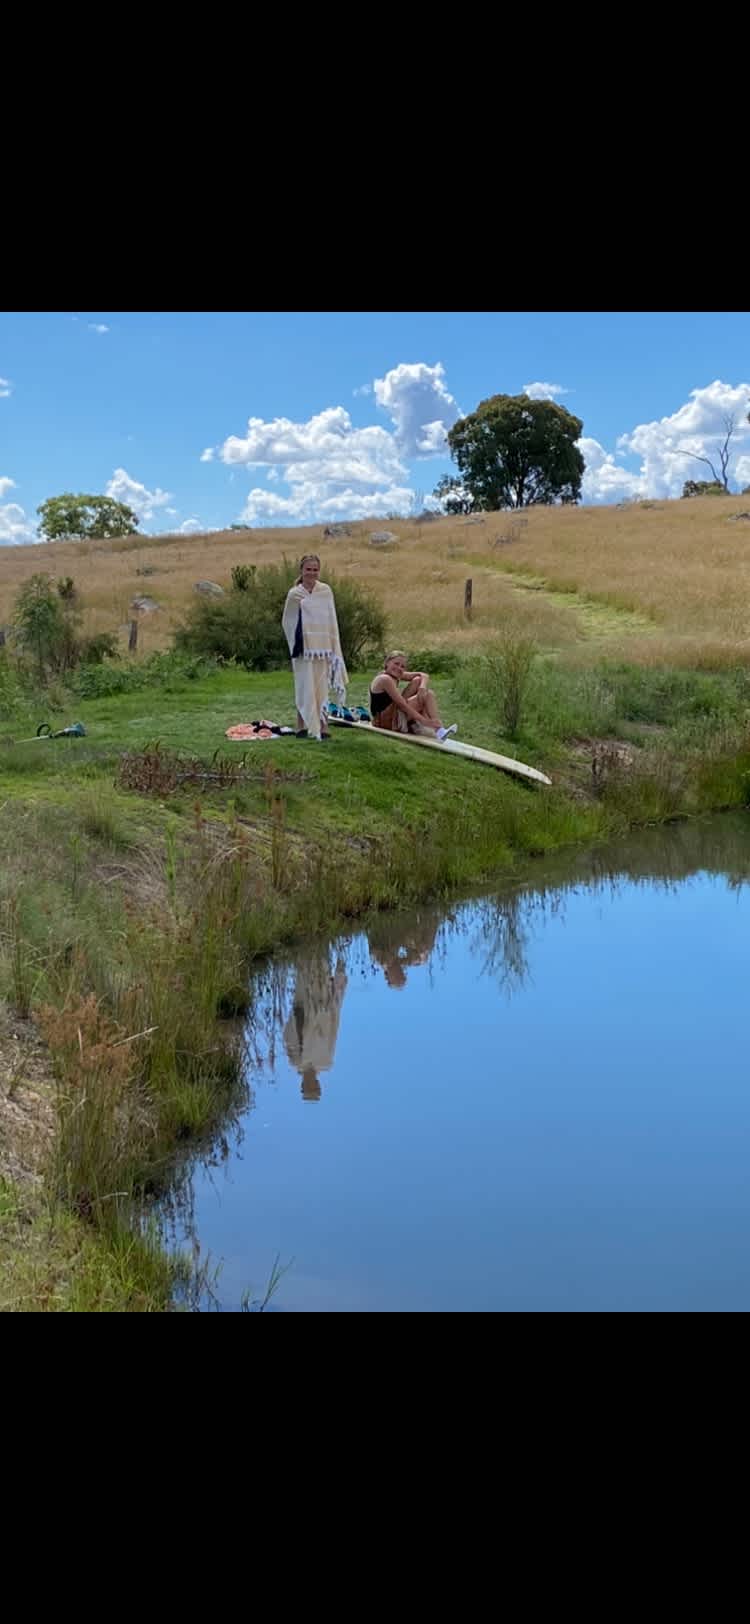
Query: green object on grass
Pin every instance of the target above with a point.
(44, 731)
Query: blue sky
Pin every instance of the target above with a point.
(201, 419)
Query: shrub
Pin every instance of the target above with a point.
(245, 625)
(508, 667)
(362, 622)
(168, 670)
(243, 577)
(437, 662)
(95, 650)
(241, 626)
(46, 616)
(498, 680)
(703, 487)
(45, 628)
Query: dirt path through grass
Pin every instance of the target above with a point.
(596, 621)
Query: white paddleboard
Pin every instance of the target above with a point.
(451, 747)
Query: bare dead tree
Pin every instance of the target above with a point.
(722, 451)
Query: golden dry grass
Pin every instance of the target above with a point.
(670, 580)
(682, 564)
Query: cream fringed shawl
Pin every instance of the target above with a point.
(320, 630)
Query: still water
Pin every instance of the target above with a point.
(534, 1100)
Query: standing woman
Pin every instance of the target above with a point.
(312, 632)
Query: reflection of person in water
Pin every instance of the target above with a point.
(313, 1026)
(413, 945)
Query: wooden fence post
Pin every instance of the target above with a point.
(133, 638)
(467, 600)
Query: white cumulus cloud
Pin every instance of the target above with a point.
(208, 454)
(6, 388)
(433, 442)
(604, 479)
(188, 525)
(421, 407)
(97, 327)
(544, 391)
(360, 462)
(328, 437)
(317, 502)
(143, 502)
(266, 505)
(330, 467)
(359, 505)
(697, 427)
(655, 459)
(16, 529)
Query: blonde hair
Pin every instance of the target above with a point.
(395, 654)
(309, 558)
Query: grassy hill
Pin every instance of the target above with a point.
(653, 581)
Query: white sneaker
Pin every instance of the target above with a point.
(445, 732)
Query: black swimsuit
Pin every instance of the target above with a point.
(379, 702)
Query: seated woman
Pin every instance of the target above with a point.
(411, 710)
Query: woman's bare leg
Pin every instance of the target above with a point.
(426, 703)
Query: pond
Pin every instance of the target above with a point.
(537, 1099)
